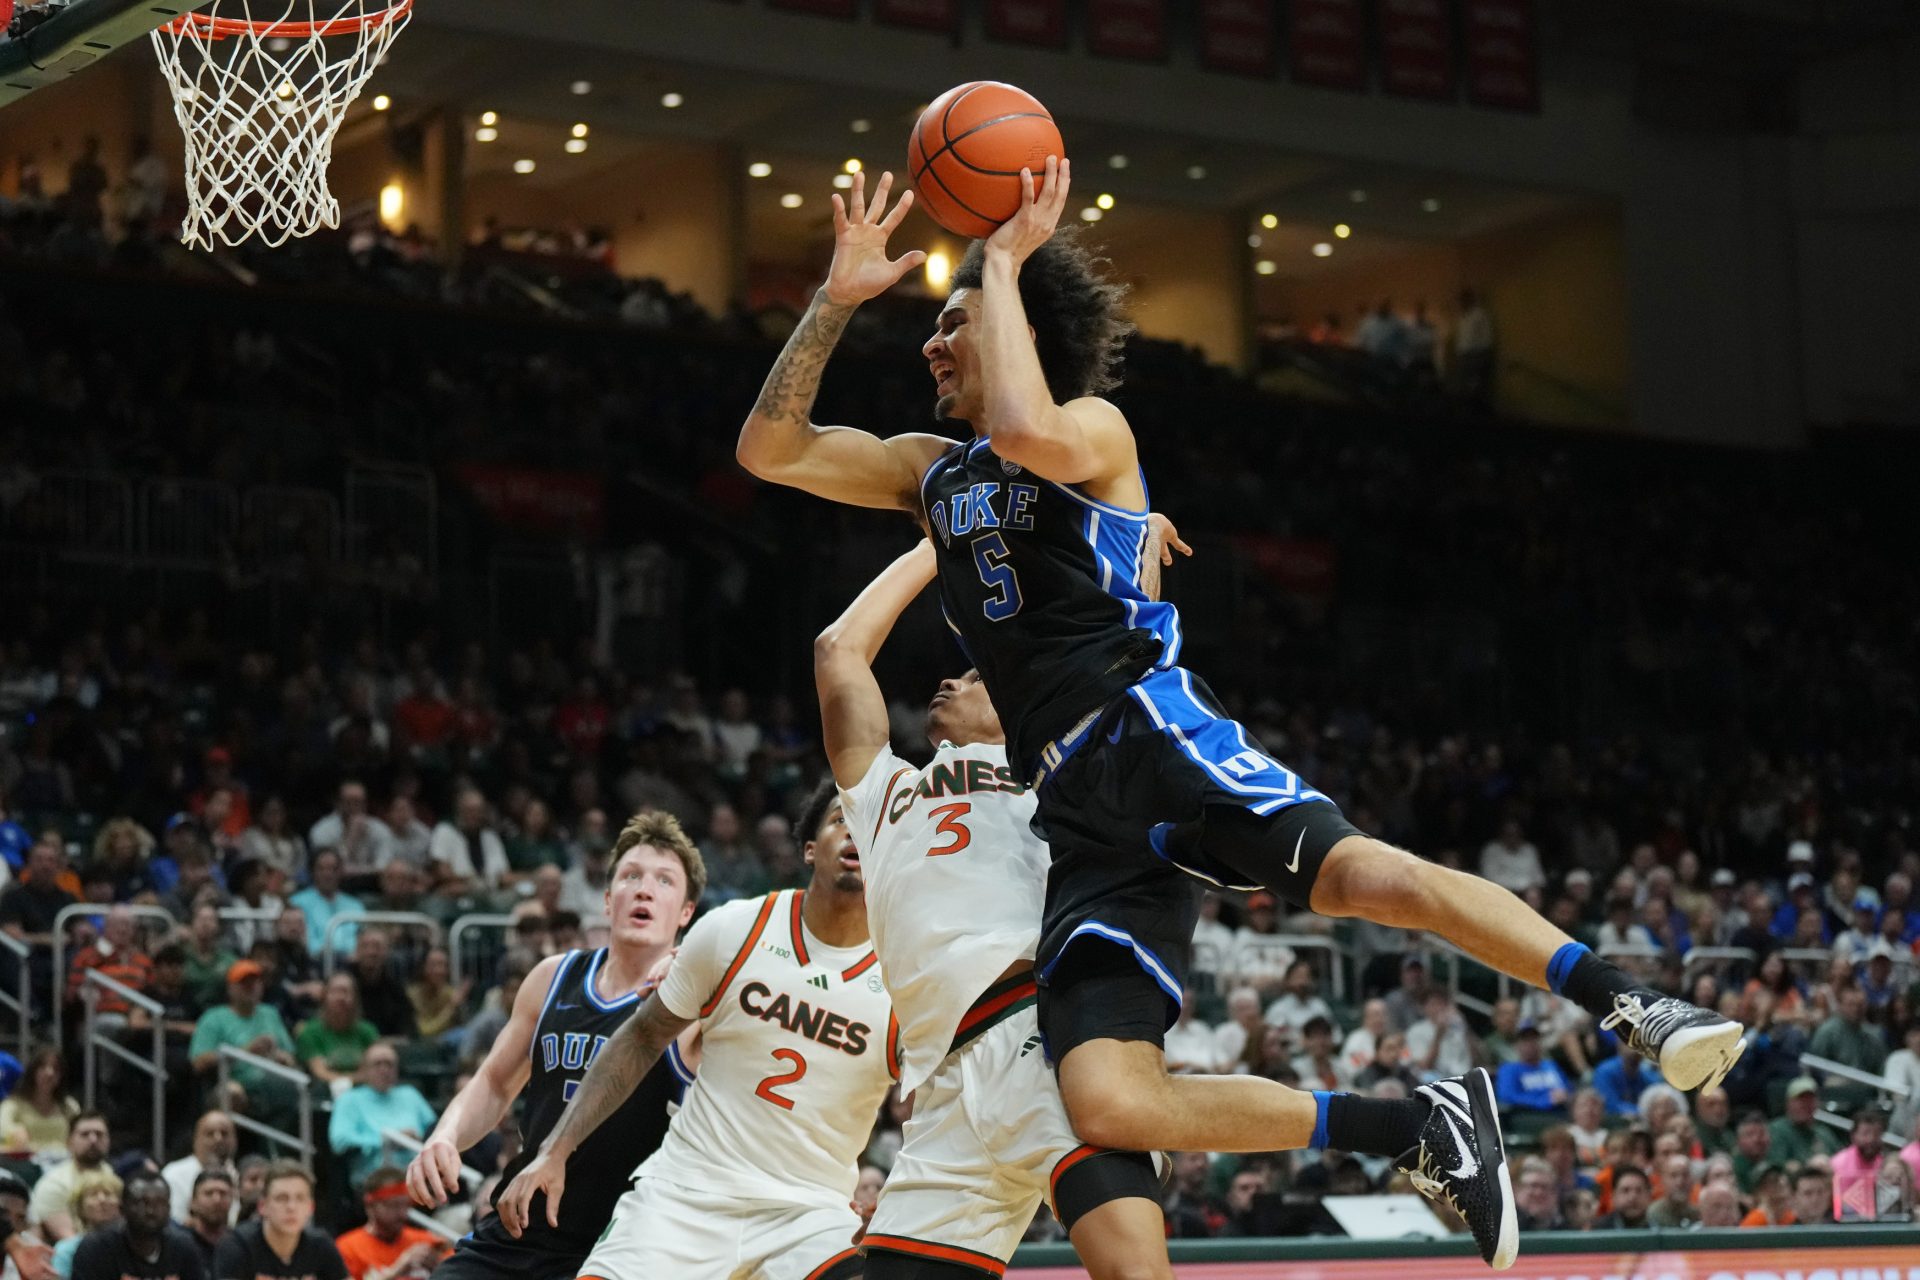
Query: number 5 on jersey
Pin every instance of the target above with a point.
(990, 556)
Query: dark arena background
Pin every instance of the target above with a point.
(1537, 383)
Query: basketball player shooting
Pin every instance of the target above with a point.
(1145, 788)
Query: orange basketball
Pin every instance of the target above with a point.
(968, 148)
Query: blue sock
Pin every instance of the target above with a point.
(1560, 968)
(1321, 1098)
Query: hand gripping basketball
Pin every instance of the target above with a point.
(861, 268)
(1034, 225)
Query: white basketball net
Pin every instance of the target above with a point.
(260, 88)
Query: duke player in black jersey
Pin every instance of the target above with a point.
(1145, 788)
(567, 1008)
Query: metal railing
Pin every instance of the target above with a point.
(302, 1083)
(93, 983)
(1456, 961)
(392, 1140)
(249, 915)
(461, 927)
(1700, 957)
(21, 1000)
(1806, 955)
(414, 919)
(1829, 1067)
(73, 912)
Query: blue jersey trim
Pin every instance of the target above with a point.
(1156, 968)
(1267, 799)
(593, 994)
(553, 989)
(678, 1063)
(1105, 508)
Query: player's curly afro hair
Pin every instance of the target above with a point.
(820, 801)
(1079, 327)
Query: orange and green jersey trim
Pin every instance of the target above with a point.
(996, 1004)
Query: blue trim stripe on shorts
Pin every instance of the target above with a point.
(1156, 967)
(1218, 745)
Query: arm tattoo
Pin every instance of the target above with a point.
(623, 1063)
(795, 380)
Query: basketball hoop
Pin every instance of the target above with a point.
(260, 99)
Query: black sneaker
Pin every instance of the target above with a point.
(1694, 1047)
(1462, 1163)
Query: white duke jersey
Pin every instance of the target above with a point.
(798, 1047)
(955, 883)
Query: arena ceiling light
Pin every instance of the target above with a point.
(489, 118)
(791, 200)
(1342, 230)
(843, 181)
(860, 126)
(1266, 266)
(1116, 161)
(581, 88)
(1105, 200)
(524, 166)
(1196, 171)
(485, 133)
(1254, 241)
(381, 102)
(760, 169)
(1323, 250)
(1091, 214)
(1269, 221)
(1430, 205)
(671, 100)
(1358, 195)
(852, 166)
(576, 145)
(580, 131)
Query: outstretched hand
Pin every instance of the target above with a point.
(1161, 530)
(861, 268)
(1039, 214)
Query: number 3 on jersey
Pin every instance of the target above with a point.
(950, 825)
(990, 556)
(765, 1088)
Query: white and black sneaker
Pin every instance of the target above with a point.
(1694, 1047)
(1461, 1162)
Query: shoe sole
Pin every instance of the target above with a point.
(1493, 1154)
(1700, 1057)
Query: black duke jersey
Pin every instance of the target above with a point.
(1042, 585)
(574, 1024)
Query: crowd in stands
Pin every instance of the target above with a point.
(1743, 775)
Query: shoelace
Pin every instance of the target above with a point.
(1651, 1024)
(1433, 1188)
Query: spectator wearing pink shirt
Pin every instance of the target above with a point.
(1856, 1169)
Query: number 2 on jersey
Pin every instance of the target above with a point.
(990, 556)
(766, 1087)
(950, 825)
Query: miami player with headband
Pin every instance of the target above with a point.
(565, 1011)
(798, 1046)
(1145, 787)
(955, 879)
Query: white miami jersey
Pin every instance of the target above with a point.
(955, 882)
(798, 1047)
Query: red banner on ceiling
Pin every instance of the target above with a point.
(927, 15)
(1237, 36)
(1416, 47)
(1127, 28)
(1041, 22)
(828, 8)
(1327, 43)
(538, 501)
(1502, 65)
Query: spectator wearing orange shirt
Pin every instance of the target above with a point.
(114, 954)
(218, 776)
(1773, 1200)
(387, 1248)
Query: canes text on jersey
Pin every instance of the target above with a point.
(814, 1022)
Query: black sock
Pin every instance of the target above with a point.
(1375, 1126)
(1594, 983)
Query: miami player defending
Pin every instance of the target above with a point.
(1038, 526)
(565, 1012)
(754, 1178)
(955, 876)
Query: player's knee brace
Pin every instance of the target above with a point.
(1111, 1175)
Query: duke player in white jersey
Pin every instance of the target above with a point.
(955, 878)
(755, 1178)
